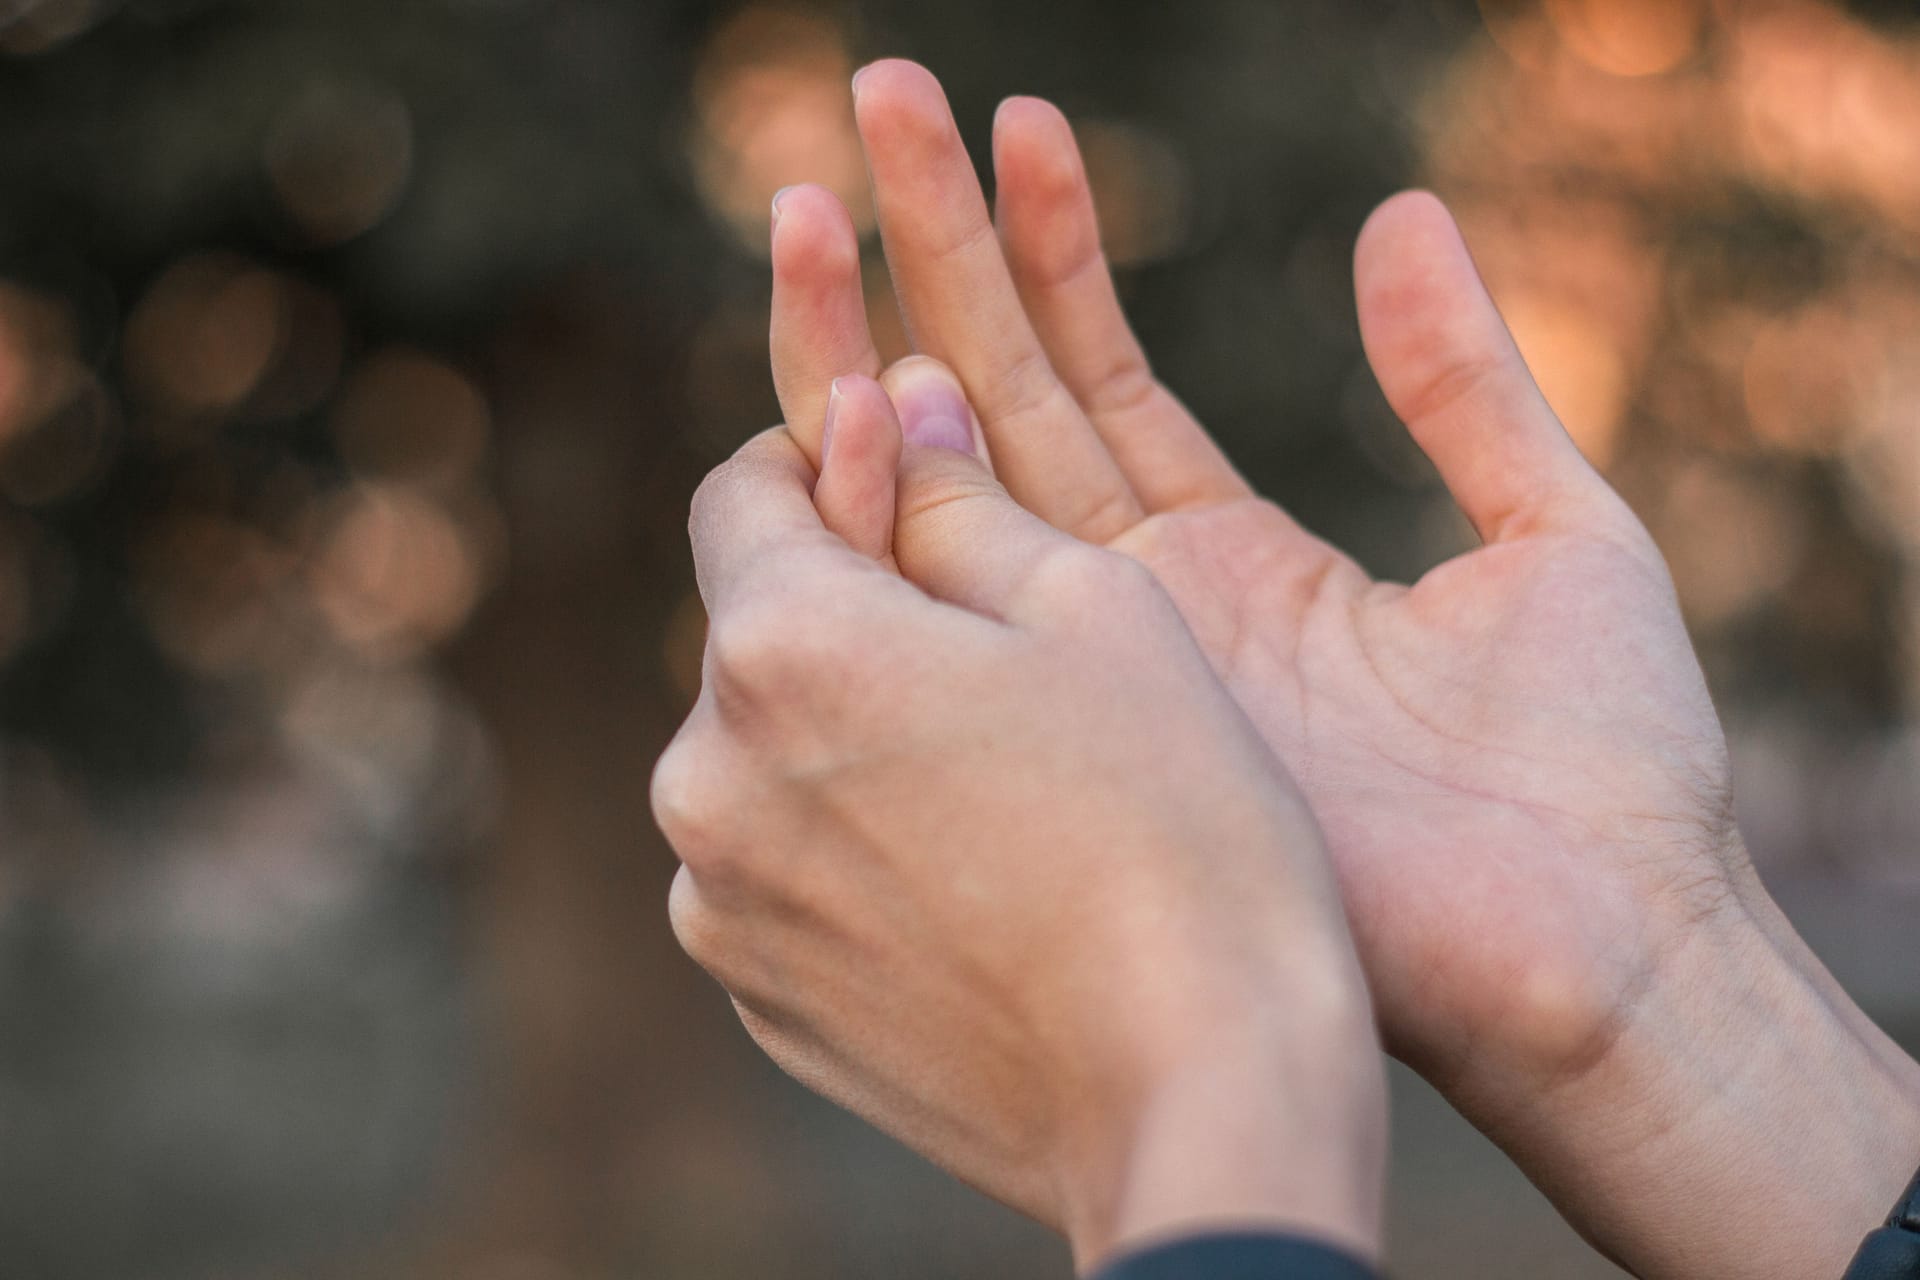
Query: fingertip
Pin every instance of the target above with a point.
(813, 235)
(884, 75)
(1025, 114)
(901, 99)
(1415, 212)
(1449, 367)
(1044, 206)
(860, 421)
(1416, 205)
(1408, 246)
(1424, 311)
(1035, 153)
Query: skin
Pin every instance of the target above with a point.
(980, 927)
(1521, 778)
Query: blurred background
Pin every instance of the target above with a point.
(357, 360)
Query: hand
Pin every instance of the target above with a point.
(1520, 774)
(1002, 867)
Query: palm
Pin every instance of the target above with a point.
(1508, 756)
(1475, 748)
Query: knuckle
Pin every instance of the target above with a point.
(708, 492)
(685, 806)
(754, 648)
(1025, 386)
(695, 925)
(779, 647)
(974, 238)
(1092, 573)
(1124, 388)
(1083, 583)
(733, 479)
(1459, 378)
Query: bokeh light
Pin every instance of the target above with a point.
(772, 109)
(1710, 248)
(394, 572)
(220, 597)
(1141, 187)
(338, 157)
(1629, 37)
(206, 334)
(39, 371)
(404, 415)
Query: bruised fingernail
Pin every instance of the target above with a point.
(933, 412)
(826, 430)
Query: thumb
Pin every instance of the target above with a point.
(957, 534)
(1451, 371)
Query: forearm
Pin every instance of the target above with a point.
(1748, 1120)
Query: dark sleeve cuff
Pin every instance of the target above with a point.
(1248, 1256)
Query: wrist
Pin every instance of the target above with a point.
(1246, 1131)
(1745, 1118)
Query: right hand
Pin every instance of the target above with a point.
(995, 862)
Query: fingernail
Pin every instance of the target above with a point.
(826, 430)
(778, 196)
(934, 413)
(856, 79)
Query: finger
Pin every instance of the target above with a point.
(961, 307)
(819, 328)
(958, 534)
(1451, 371)
(755, 506)
(1051, 236)
(928, 397)
(860, 461)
